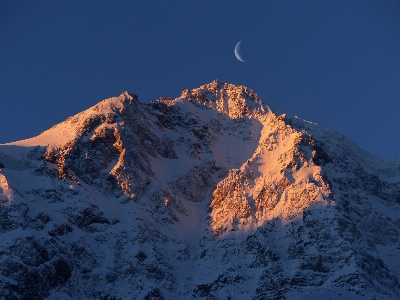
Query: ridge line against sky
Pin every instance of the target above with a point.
(336, 63)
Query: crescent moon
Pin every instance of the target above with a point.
(237, 52)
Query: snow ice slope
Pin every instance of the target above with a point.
(206, 196)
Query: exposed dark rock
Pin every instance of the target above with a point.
(59, 230)
(154, 294)
(206, 196)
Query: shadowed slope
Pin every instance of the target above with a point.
(206, 195)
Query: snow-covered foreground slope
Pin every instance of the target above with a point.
(209, 195)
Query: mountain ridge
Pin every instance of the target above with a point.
(209, 195)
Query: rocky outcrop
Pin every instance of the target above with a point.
(206, 196)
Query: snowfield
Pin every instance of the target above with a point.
(207, 196)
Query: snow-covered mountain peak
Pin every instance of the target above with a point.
(232, 100)
(206, 196)
(114, 104)
(106, 111)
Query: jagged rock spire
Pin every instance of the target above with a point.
(232, 100)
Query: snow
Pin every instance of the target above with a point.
(174, 224)
(332, 293)
(67, 131)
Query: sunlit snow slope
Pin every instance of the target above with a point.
(206, 196)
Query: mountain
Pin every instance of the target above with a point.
(207, 196)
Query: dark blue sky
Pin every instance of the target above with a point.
(336, 63)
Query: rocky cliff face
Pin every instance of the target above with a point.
(209, 195)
